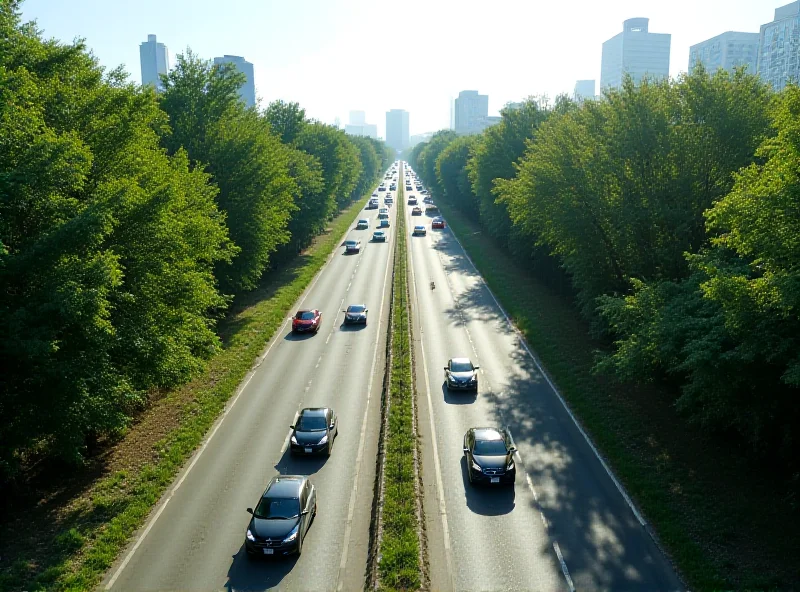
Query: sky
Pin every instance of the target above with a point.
(334, 56)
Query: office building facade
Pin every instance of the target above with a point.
(779, 47)
(370, 130)
(728, 51)
(471, 109)
(584, 89)
(397, 129)
(358, 117)
(636, 52)
(154, 60)
(247, 91)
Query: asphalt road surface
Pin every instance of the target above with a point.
(194, 538)
(565, 524)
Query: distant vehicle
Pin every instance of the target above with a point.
(461, 374)
(419, 230)
(389, 199)
(412, 201)
(431, 208)
(490, 456)
(427, 199)
(282, 517)
(384, 223)
(379, 236)
(372, 205)
(314, 432)
(416, 211)
(381, 188)
(374, 194)
(409, 188)
(306, 321)
(352, 246)
(419, 187)
(363, 224)
(356, 314)
(438, 223)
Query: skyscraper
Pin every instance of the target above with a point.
(727, 51)
(248, 90)
(471, 111)
(779, 47)
(584, 89)
(634, 51)
(154, 60)
(358, 117)
(397, 129)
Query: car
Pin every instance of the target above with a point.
(381, 188)
(379, 236)
(281, 518)
(438, 222)
(352, 246)
(416, 211)
(306, 321)
(431, 209)
(356, 314)
(409, 188)
(314, 431)
(374, 194)
(427, 199)
(362, 224)
(373, 204)
(419, 187)
(489, 454)
(383, 223)
(460, 373)
(412, 201)
(419, 230)
(389, 200)
(383, 216)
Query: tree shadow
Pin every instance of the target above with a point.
(257, 573)
(487, 500)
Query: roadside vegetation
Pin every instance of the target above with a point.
(647, 246)
(149, 248)
(399, 552)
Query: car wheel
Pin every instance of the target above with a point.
(330, 449)
(299, 544)
(469, 472)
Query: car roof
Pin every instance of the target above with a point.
(350, 241)
(314, 411)
(460, 360)
(287, 486)
(362, 305)
(487, 434)
(419, 226)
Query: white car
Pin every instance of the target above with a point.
(352, 246)
(419, 230)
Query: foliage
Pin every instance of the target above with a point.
(451, 173)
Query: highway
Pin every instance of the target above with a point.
(194, 538)
(565, 525)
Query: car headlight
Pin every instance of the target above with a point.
(292, 535)
(294, 440)
(474, 378)
(476, 466)
(324, 439)
(250, 536)
(510, 466)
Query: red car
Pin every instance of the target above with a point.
(437, 223)
(306, 321)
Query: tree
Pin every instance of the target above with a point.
(451, 172)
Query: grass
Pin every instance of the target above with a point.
(717, 515)
(98, 526)
(400, 567)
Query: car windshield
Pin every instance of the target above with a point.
(490, 448)
(355, 308)
(460, 366)
(350, 243)
(311, 423)
(305, 316)
(277, 508)
(363, 222)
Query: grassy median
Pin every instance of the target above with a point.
(97, 525)
(399, 567)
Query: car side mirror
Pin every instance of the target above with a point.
(249, 510)
(304, 512)
(466, 449)
(445, 367)
(291, 427)
(476, 367)
(333, 425)
(366, 310)
(513, 449)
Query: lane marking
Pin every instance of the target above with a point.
(216, 426)
(436, 462)
(289, 433)
(362, 440)
(524, 343)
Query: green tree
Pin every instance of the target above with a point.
(451, 172)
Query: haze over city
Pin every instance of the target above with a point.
(341, 55)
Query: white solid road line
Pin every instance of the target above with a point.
(436, 464)
(351, 508)
(218, 423)
(521, 338)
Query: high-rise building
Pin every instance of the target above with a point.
(367, 129)
(471, 110)
(584, 89)
(248, 90)
(358, 117)
(397, 129)
(779, 47)
(154, 60)
(728, 51)
(635, 51)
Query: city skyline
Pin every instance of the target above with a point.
(303, 64)
(248, 90)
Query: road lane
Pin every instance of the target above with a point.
(564, 523)
(196, 543)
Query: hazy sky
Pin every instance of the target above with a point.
(333, 56)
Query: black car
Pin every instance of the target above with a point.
(314, 432)
(281, 518)
(490, 455)
(461, 374)
(356, 314)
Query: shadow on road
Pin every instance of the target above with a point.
(484, 499)
(257, 573)
(453, 397)
(352, 326)
(290, 336)
(290, 464)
